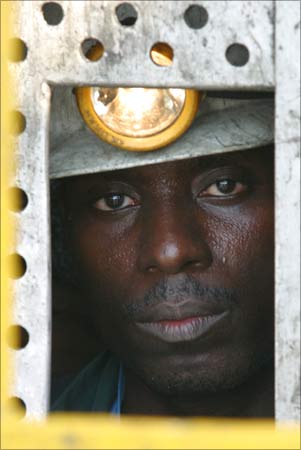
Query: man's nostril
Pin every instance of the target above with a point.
(197, 263)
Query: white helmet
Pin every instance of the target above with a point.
(222, 123)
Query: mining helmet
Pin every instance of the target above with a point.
(97, 129)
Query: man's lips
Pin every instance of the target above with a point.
(172, 311)
(182, 327)
(178, 298)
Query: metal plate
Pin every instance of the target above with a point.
(288, 211)
(199, 54)
(55, 57)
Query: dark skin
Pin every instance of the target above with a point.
(176, 265)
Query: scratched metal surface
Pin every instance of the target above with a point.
(199, 55)
(288, 211)
(221, 125)
(55, 57)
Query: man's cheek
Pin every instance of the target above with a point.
(103, 272)
(106, 240)
(244, 249)
(245, 258)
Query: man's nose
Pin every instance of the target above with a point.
(173, 242)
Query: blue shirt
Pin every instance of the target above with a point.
(98, 387)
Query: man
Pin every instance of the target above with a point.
(174, 263)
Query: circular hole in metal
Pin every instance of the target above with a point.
(53, 13)
(17, 123)
(17, 50)
(17, 337)
(16, 266)
(92, 49)
(162, 54)
(126, 14)
(17, 199)
(237, 55)
(196, 16)
(17, 407)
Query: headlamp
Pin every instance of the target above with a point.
(137, 119)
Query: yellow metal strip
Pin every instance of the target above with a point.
(92, 432)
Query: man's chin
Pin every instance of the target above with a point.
(179, 385)
(201, 380)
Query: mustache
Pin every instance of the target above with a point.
(175, 293)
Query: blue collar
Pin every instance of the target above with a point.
(116, 407)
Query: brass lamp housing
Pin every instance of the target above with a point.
(131, 143)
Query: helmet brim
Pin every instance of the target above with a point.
(232, 127)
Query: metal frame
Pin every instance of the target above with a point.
(287, 187)
(55, 57)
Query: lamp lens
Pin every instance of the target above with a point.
(138, 112)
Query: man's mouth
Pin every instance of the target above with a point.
(185, 329)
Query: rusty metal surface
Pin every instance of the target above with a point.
(55, 57)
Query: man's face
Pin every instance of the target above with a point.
(176, 264)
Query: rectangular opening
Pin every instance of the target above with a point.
(163, 263)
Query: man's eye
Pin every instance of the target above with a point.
(113, 202)
(224, 187)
